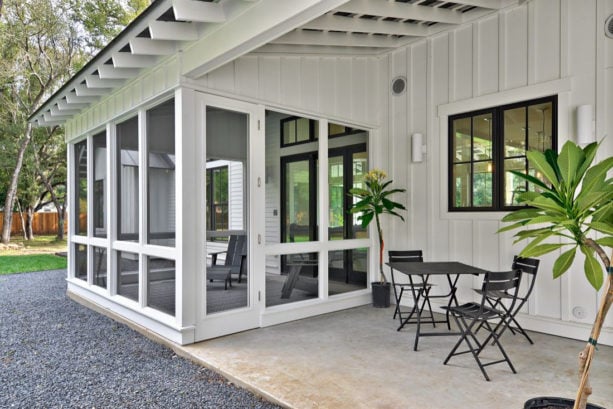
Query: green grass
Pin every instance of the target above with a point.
(30, 262)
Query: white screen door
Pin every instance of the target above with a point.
(232, 158)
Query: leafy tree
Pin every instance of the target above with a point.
(42, 44)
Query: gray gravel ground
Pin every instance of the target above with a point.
(55, 353)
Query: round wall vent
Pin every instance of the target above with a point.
(608, 26)
(399, 85)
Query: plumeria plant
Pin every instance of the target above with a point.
(373, 201)
(573, 204)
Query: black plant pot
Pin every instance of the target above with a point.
(548, 402)
(380, 294)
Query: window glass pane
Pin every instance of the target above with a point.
(347, 270)
(80, 251)
(297, 201)
(539, 124)
(127, 267)
(100, 270)
(161, 174)
(482, 137)
(461, 140)
(336, 192)
(360, 169)
(289, 132)
(482, 184)
(100, 184)
(127, 176)
(217, 198)
(294, 279)
(513, 184)
(80, 150)
(514, 132)
(303, 130)
(161, 284)
(461, 185)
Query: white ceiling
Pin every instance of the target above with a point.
(354, 27)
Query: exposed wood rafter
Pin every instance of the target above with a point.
(147, 46)
(192, 10)
(403, 11)
(170, 30)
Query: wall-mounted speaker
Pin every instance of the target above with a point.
(608, 26)
(399, 85)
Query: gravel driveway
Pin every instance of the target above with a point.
(55, 353)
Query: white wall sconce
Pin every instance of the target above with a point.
(417, 147)
(585, 125)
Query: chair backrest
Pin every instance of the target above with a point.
(400, 256)
(231, 249)
(240, 250)
(501, 282)
(528, 267)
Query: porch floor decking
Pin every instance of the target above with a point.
(356, 359)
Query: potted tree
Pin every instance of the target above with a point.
(373, 201)
(573, 202)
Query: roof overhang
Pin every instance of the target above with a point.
(211, 33)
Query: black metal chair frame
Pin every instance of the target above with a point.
(528, 266)
(472, 316)
(420, 291)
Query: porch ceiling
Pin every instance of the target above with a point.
(307, 26)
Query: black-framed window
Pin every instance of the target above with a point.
(217, 198)
(296, 130)
(485, 145)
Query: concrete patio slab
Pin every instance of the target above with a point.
(356, 359)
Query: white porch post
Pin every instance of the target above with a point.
(190, 222)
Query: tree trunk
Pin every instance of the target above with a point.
(23, 221)
(11, 192)
(61, 218)
(29, 222)
(586, 355)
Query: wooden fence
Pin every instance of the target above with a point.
(43, 223)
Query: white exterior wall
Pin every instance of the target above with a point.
(536, 49)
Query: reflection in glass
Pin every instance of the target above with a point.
(80, 259)
(161, 174)
(337, 194)
(127, 178)
(515, 132)
(100, 270)
(80, 154)
(161, 284)
(127, 268)
(347, 270)
(100, 185)
(482, 184)
(296, 279)
(513, 184)
(482, 137)
(217, 205)
(462, 132)
(298, 198)
(461, 185)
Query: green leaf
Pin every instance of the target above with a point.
(564, 262)
(570, 158)
(593, 270)
(605, 241)
(602, 227)
(538, 160)
(539, 250)
(547, 204)
(530, 179)
(521, 214)
(546, 219)
(511, 227)
(366, 218)
(590, 153)
(596, 175)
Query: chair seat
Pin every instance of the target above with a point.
(220, 273)
(476, 311)
(495, 294)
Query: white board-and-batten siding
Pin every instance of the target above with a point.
(536, 49)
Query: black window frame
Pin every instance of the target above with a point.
(313, 123)
(498, 158)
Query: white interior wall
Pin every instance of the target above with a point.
(544, 47)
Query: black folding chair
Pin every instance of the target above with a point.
(471, 316)
(529, 268)
(420, 290)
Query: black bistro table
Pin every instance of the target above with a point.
(423, 271)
